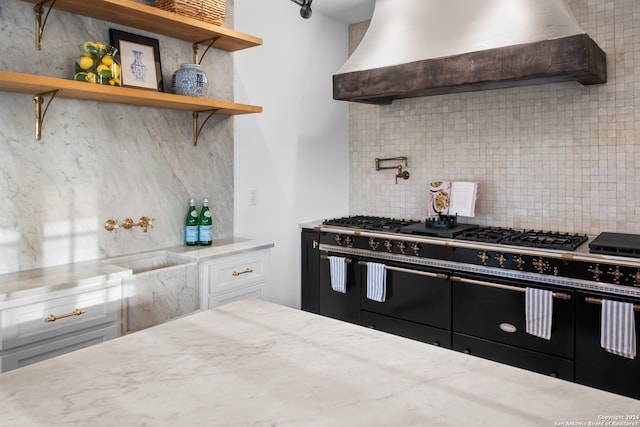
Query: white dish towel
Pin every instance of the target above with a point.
(376, 281)
(539, 312)
(618, 328)
(338, 270)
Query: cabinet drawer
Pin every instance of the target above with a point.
(403, 328)
(37, 353)
(240, 271)
(28, 323)
(509, 355)
(226, 298)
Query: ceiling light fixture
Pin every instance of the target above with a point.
(305, 9)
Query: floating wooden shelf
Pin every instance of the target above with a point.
(34, 85)
(149, 18)
(63, 88)
(143, 17)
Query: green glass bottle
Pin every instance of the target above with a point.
(191, 228)
(205, 225)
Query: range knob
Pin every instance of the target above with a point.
(338, 239)
(415, 248)
(388, 245)
(617, 274)
(596, 272)
(541, 265)
(501, 259)
(401, 246)
(373, 243)
(348, 241)
(636, 278)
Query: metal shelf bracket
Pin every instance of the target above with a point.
(40, 114)
(39, 10)
(196, 129)
(196, 47)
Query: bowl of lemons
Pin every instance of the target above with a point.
(97, 64)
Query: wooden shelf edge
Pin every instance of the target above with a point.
(158, 21)
(71, 89)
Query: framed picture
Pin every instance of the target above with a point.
(139, 60)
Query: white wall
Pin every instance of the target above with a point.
(295, 155)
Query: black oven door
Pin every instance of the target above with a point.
(342, 306)
(417, 303)
(595, 366)
(494, 309)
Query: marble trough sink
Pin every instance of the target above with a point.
(163, 285)
(149, 261)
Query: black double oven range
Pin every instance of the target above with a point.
(504, 251)
(462, 286)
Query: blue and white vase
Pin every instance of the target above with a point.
(190, 80)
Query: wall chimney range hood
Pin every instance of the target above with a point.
(429, 47)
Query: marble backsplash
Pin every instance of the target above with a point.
(98, 161)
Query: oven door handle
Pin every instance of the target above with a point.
(591, 300)
(559, 295)
(347, 260)
(407, 270)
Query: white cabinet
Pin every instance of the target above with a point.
(39, 327)
(234, 277)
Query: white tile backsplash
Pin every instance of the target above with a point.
(558, 156)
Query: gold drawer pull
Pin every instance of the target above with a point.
(246, 270)
(52, 318)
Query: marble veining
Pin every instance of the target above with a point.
(155, 297)
(253, 363)
(98, 161)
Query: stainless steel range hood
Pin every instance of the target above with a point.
(428, 47)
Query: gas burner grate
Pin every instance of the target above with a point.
(366, 222)
(488, 234)
(527, 238)
(547, 240)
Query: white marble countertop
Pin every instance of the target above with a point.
(253, 363)
(222, 247)
(42, 280)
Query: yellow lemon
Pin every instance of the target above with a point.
(85, 62)
(114, 82)
(115, 69)
(92, 78)
(107, 60)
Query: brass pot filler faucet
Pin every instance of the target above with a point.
(401, 174)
